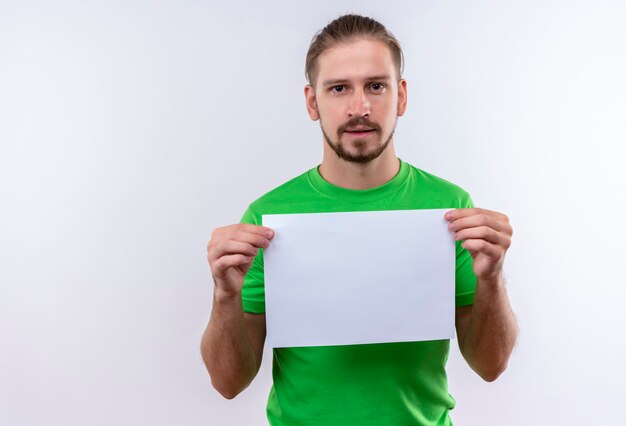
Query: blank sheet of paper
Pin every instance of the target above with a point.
(359, 277)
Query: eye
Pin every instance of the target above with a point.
(337, 89)
(378, 87)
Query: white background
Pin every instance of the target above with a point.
(129, 130)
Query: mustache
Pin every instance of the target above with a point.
(361, 121)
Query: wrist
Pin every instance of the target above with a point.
(494, 281)
(227, 296)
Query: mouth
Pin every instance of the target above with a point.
(360, 132)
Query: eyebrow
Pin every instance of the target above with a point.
(344, 80)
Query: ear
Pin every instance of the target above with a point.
(311, 102)
(402, 97)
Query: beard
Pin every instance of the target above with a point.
(362, 156)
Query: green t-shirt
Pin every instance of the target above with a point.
(373, 384)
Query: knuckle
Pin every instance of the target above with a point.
(258, 241)
(220, 245)
(211, 249)
(242, 236)
(216, 232)
(217, 266)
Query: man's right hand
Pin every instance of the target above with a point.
(230, 252)
(232, 344)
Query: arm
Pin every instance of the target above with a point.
(232, 347)
(487, 330)
(232, 344)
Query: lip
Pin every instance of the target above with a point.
(360, 134)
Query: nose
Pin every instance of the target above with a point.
(358, 104)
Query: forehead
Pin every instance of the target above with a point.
(357, 59)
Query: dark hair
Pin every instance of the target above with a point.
(349, 28)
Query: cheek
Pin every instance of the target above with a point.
(386, 103)
(388, 110)
(330, 115)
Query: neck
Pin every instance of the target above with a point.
(350, 175)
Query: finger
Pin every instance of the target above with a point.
(263, 231)
(475, 246)
(230, 247)
(486, 233)
(480, 220)
(494, 222)
(255, 229)
(226, 262)
(248, 237)
(461, 213)
(233, 234)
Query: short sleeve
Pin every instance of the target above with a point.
(465, 278)
(253, 291)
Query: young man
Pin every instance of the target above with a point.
(356, 91)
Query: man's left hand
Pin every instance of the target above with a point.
(486, 235)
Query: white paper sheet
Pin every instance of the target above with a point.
(359, 277)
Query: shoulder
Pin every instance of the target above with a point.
(278, 195)
(277, 199)
(438, 187)
(436, 181)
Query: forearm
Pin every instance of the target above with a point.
(226, 347)
(492, 332)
